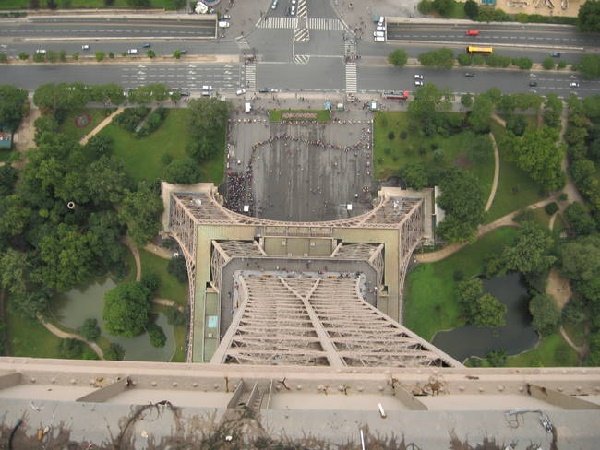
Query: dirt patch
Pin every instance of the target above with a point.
(26, 131)
(83, 120)
(559, 8)
(558, 288)
(463, 161)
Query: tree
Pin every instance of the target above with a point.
(8, 179)
(442, 58)
(100, 145)
(157, 335)
(13, 106)
(140, 211)
(90, 329)
(479, 117)
(462, 200)
(398, 57)
(489, 312)
(580, 220)
(522, 63)
(471, 9)
(177, 268)
(182, 171)
(138, 3)
(516, 124)
(546, 315)
(70, 348)
(466, 100)
(443, 7)
(530, 253)
(150, 281)
(580, 259)
(414, 175)
(100, 56)
(588, 18)
(206, 125)
(426, 108)
(552, 110)
(60, 98)
(126, 309)
(469, 292)
(589, 66)
(155, 92)
(114, 353)
(537, 153)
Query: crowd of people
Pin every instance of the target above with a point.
(239, 191)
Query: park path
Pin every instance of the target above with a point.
(581, 351)
(167, 302)
(136, 255)
(490, 199)
(158, 251)
(84, 140)
(64, 335)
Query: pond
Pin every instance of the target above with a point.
(515, 337)
(73, 307)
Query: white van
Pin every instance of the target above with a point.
(248, 107)
(240, 91)
(378, 34)
(224, 24)
(132, 51)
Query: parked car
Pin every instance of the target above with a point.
(224, 24)
(226, 17)
(378, 34)
(132, 51)
(418, 83)
(469, 74)
(574, 84)
(85, 47)
(379, 39)
(264, 90)
(418, 77)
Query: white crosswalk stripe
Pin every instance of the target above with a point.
(301, 59)
(302, 8)
(325, 24)
(351, 83)
(301, 35)
(251, 76)
(279, 23)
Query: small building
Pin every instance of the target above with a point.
(5, 139)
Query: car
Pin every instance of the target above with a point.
(264, 90)
(205, 94)
(555, 54)
(418, 77)
(574, 84)
(274, 4)
(381, 28)
(293, 10)
(132, 51)
(85, 47)
(226, 17)
(469, 74)
(378, 34)
(224, 24)
(379, 39)
(146, 45)
(206, 88)
(293, 2)
(472, 33)
(40, 51)
(240, 91)
(418, 83)
(533, 83)
(381, 22)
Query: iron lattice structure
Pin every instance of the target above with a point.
(318, 320)
(317, 316)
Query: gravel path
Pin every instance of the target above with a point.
(490, 199)
(84, 140)
(64, 335)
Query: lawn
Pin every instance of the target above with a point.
(322, 115)
(552, 351)
(170, 287)
(143, 157)
(29, 338)
(7, 155)
(396, 145)
(430, 304)
(515, 188)
(70, 128)
(23, 4)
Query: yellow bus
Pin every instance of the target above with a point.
(485, 50)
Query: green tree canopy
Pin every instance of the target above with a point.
(157, 335)
(471, 9)
(426, 108)
(140, 211)
(183, 171)
(588, 18)
(90, 329)
(489, 312)
(479, 117)
(589, 66)
(546, 315)
(398, 57)
(126, 309)
(13, 106)
(206, 124)
(442, 58)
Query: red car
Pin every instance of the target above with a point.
(472, 32)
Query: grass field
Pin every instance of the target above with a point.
(70, 128)
(23, 4)
(392, 152)
(515, 189)
(430, 304)
(552, 351)
(276, 115)
(29, 338)
(170, 287)
(143, 156)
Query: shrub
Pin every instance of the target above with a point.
(114, 353)
(466, 100)
(153, 122)
(551, 208)
(151, 54)
(90, 329)
(23, 56)
(546, 315)
(464, 59)
(3, 58)
(562, 64)
(176, 317)
(100, 56)
(391, 135)
(398, 57)
(496, 60)
(548, 63)
(150, 281)
(131, 118)
(177, 268)
(70, 348)
(523, 63)
(157, 335)
(442, 58)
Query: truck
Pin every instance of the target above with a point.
(396, 95)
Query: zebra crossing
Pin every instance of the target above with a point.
(325, 24)
(279, 23)
(251, 76)
(351, 82)
(302, 9)
(301, 34)
(301, 59)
